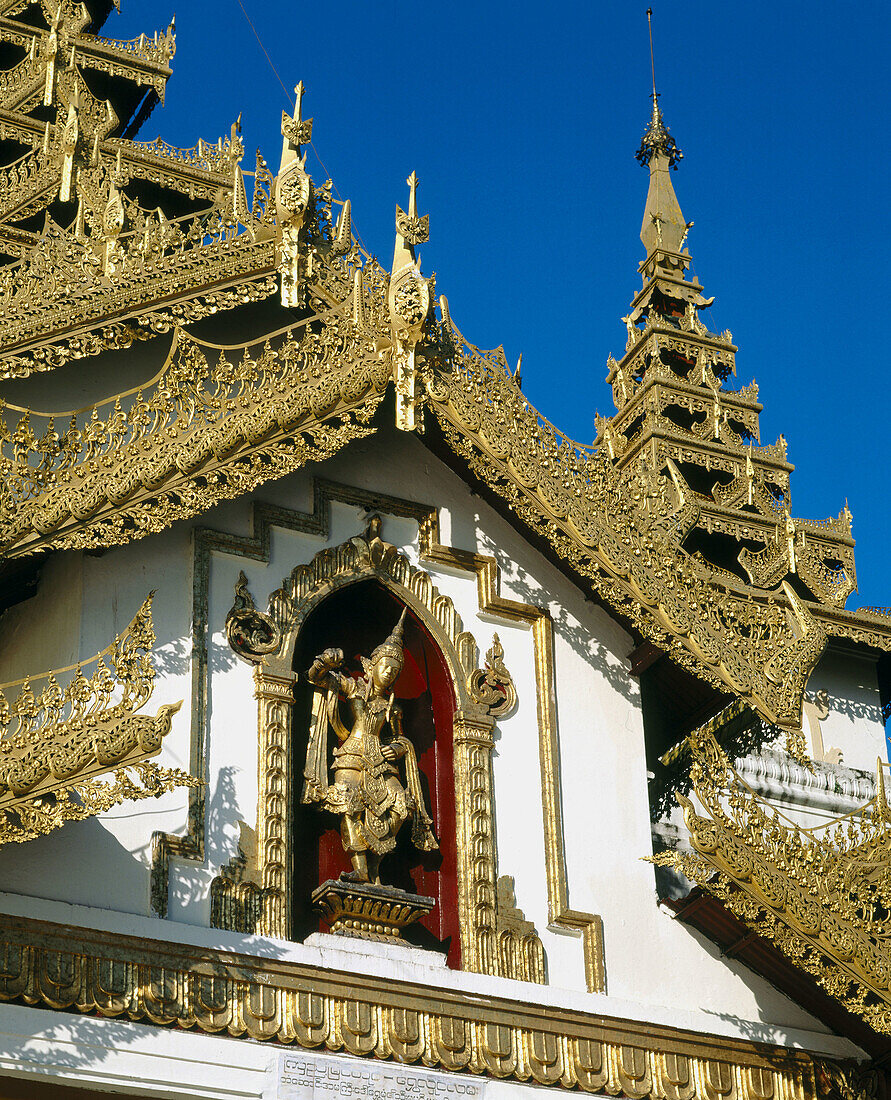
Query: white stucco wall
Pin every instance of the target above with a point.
(854, 722)
(656, 967)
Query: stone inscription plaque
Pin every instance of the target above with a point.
(304, 1077)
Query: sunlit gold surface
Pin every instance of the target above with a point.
(213, 424)
(260, 889)
(622, 530)
(110, 274)
(373, 784)
(367, 911)
(618, 514)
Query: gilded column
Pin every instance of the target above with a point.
(476, 842)
(275, 701)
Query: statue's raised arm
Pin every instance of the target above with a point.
(323, 671)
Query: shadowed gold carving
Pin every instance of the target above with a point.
(822, 895)
(58, 738)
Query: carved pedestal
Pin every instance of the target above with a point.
(369, 912)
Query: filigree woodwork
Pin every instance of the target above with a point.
(31, 818)
(623, 529)
(821, 894)
(61, 730)
(213, 424)
(219, 992)
(94, 280)
(269, 895)
(672, 402)
(597, 507)
(293, 193)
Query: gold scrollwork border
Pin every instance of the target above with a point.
(256, 546)
(222, 992)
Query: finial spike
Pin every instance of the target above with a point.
(657, 138)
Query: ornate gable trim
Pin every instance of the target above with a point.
(60, 732)
(820, 895)
(213, 424)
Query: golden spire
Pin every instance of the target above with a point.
(663, 225)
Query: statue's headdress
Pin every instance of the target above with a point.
(393, 646)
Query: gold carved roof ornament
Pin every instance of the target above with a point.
(622, 529)
(214, 423)
(822, 895)
(293, 187)
(217, 421)
(408, 300)
(109, 266)
(63, 730)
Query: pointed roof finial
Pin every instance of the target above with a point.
(296, 131)
(657, 137)
(410, 227)
(652, 55)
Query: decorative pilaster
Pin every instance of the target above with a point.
(476, 835)
(275, 702)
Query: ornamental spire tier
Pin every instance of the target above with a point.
(663, 224)
(676, 411)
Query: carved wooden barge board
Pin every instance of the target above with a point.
(56, 966)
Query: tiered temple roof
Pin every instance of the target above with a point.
(102, 234)
(675, 407)
(676, 519)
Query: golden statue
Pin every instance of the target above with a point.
(367, 792)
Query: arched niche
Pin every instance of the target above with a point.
(356, 617)
(256, 891)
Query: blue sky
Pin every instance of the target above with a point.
(522, 120)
